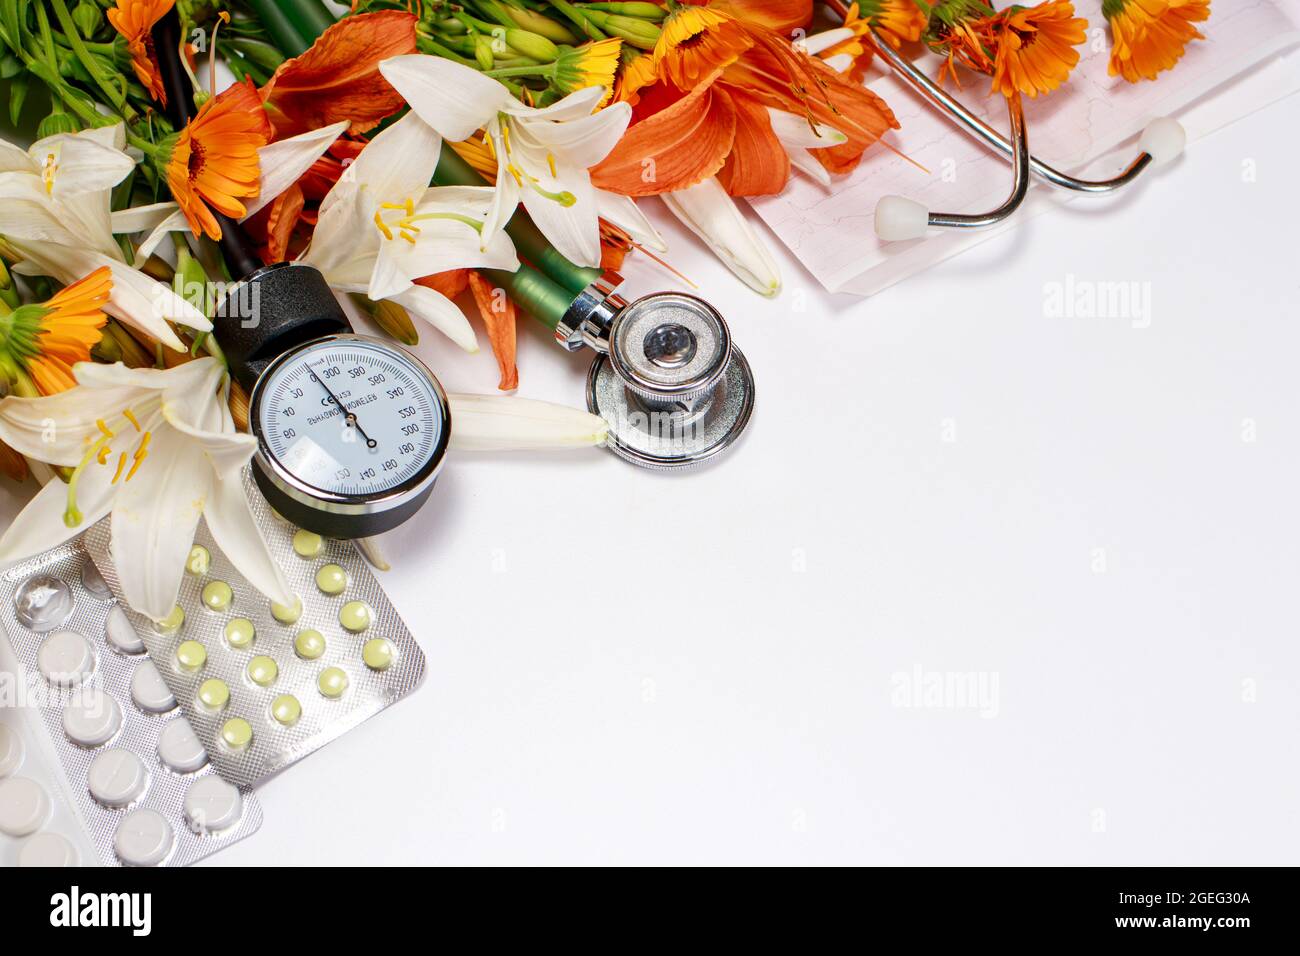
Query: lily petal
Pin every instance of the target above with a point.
(453, 99)
(136, 299)
(504, 423)
(283, 162)
(573, 228)
(235, 530)
(623, 212)
(155, 515)
(83, 165)
(583, 141)
(58, 429)
(711, 214)
(440, 312)
(40, 525)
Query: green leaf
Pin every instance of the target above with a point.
(10, 66)
(17, 97)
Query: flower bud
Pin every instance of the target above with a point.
(532, 45)
(88, 17)
(57, 122)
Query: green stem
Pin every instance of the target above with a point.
(544, 69)
(69, 26)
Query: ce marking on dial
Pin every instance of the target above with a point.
(349, 417)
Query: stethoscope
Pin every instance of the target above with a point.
(898, 218)
(353, 430)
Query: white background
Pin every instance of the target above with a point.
(629, 667)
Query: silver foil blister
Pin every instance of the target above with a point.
(140, 730)
(275, 746)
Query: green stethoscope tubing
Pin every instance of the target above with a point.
(545, 289)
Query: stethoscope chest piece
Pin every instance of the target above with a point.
(674, 389)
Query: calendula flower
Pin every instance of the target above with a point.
(1151, 35)
(134, 20)
(280, 165)
(897, 20)
(543, 155)
(157, 450)
(381, 227)
(44, 341)
(1035, 47)
(214, 160)
(592, 64)
(695, 43)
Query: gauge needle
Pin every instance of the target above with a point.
(348, 416)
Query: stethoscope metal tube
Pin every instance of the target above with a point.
(986, 134)
(899, 218)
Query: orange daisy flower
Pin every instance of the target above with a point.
(134, 20)
(1035, 50)
(213, 161)
(1027, 50)
(1151, 35)
(897, 20)
(45, 341)
(695, 43)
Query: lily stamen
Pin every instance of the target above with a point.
(47, 173)
(141, 454)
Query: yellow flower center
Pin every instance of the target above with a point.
(522, 179)
(48, 170)
(99, 452)
(404, 225)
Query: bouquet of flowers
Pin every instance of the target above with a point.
(391, 149)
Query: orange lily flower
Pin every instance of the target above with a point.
(718, 124)
(134, 20)
(213, 161)
(1151, 35)
(338, 78)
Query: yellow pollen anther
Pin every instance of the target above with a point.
(130, 417)
(104, 429)
(505, 137)
(104, 452)
(48, 171)
(408, 237)
(141, 454)
(550, 161)
(513, 171)
(121, 464)
(383, 226)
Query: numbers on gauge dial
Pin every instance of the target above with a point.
(350, 418)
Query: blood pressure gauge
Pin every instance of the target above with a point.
(352, 433)
(351, 430)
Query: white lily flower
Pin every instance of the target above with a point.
(706, 210)
(157, 450)
(504, 423)
(280, 165)
(55, 212)
(797, 137)
(542, 154)
(382, 226)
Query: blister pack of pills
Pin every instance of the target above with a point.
(263, 686)
(133, 770)
(39, 825)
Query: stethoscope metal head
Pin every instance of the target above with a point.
(669, 381)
